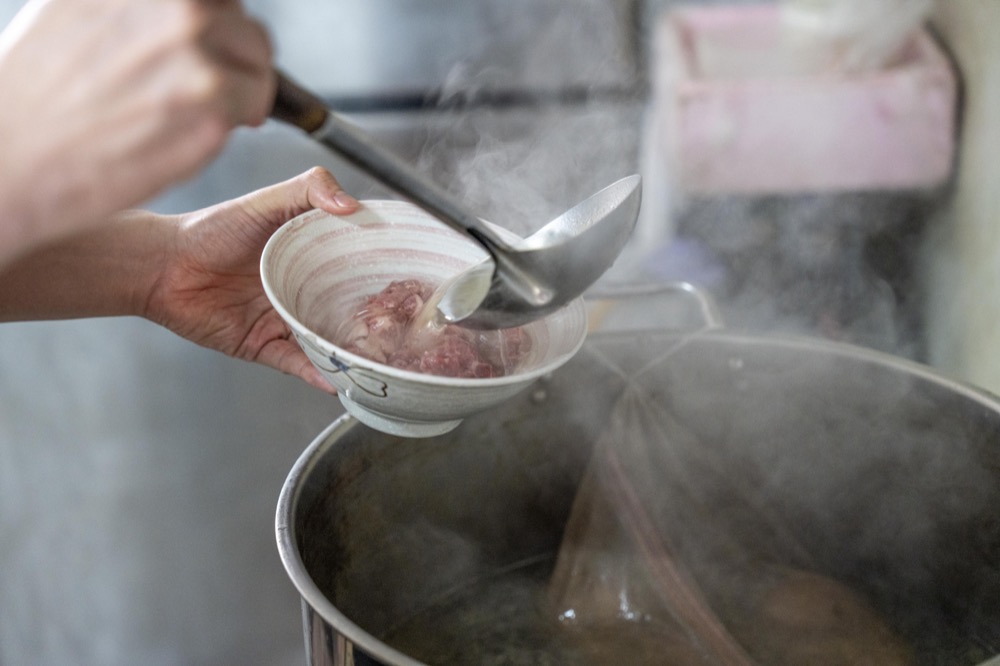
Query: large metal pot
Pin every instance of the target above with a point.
(886, 473)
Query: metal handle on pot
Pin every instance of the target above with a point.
(604, 298)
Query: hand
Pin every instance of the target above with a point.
(109, 101)
(210, 290)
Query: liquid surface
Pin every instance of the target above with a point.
(501, 620)
(401, 327)
(510, 619)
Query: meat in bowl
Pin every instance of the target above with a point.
(396, 327)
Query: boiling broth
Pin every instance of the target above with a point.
(507, 619)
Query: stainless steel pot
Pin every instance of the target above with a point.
(886, 473)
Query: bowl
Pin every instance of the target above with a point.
(318, 267)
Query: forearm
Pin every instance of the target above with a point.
(108, 270)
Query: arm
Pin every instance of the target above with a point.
(132, 97)
(196, 274)
(107, 270)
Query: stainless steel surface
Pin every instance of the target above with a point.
(530, 279)
(883, 474)
(553, 266)
(649, 306)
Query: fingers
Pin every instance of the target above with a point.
(209, 57)
(237, 39)
(316, 188)
(270, 342)
(241, 49)
(323, 191)
(298, 365)
(315, 378)
(288, 357)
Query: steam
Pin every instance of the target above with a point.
(838, 264)
(528, 166)
(548, 120)
(725, 425)
(776, 482)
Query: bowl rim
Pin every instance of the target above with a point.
(355, 361)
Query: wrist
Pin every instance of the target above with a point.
(18, 227)
(144, 242)
(107, 270)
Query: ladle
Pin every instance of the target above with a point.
(522, 281)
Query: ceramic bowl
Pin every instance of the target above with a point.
(318, 266)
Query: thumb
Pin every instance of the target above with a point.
(321, 190)
(316, 188)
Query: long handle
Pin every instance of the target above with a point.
(299, 107)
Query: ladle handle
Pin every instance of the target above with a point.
(297, 106)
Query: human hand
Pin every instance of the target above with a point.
(109, 101)
(210, 290)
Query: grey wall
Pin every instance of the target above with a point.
(138, 476)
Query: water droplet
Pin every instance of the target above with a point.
(539, 395)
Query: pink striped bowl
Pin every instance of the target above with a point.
(318, 267)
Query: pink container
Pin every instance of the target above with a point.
(733, 115)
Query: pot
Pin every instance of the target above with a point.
(885, 474)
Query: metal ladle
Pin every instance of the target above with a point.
(523, 280)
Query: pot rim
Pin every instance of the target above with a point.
(292, 561)
(877, 357)
(291, 490)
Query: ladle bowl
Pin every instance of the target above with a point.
(529, 280)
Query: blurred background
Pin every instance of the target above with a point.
(840, 183)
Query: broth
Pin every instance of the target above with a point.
(507, 619)
(399, 327)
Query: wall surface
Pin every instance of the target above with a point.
(963, 249)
